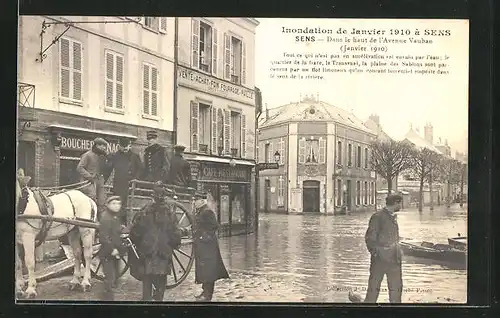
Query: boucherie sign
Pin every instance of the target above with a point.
(215, 86)
(76, 143)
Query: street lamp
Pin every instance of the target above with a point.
(277, 157)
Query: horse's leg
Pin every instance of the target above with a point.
(19, 272)
(87, 236)
(28, 239)
(74, 241)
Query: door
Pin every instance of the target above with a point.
(67, 173)
(348, 195)
(267, 195)
(310, 196)
(26, 159)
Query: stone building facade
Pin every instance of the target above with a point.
(216, 111)
(324, 159)
(109, 80)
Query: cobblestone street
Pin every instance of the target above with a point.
(320, 263)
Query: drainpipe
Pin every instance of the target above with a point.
(176, 88)
(257, 173)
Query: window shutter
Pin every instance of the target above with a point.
(195, 43)
(109, 79)
(302, 150)
(163, 25)
(227, 131)
(282, 151)
(220, 129)
(262, 152)
(227, 57)
(243, 63)
(270, 155)
(77, 71)
(214, 130)
(154, 91)
(322, 150)
(243, 151)
(146, 90)
(194, 126)
(214, 51)
(64, 65)
(119, 82)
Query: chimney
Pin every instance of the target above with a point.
(428, 133)
(267, 112)
(375, 118)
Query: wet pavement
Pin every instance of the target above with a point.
(311, 258)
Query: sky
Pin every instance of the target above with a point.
(399, 100)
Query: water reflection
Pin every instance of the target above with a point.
(320, 257)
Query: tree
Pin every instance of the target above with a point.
(450, 173)
(424, 161)
(390, 158)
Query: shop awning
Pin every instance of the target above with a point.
(196, 157)
(93, 131)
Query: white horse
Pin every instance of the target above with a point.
(68, 204)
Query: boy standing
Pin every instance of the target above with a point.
(110, 229)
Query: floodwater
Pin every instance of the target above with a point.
(320, 258)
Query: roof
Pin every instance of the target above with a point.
(313, 111)
(420, 142)
(381, 134)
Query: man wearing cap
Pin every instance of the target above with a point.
(92, 167)
(127, 166)
(155, 159)
(382, 241)
(180, 169)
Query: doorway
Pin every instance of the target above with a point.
(267, 195)
(26, 159)
(310, 199)
(348, 195)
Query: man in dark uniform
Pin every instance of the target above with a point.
(155, 160)
(180, 169)
(127, 166)
(382, 241)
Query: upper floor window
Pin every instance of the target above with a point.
(156, 24)
(268, 152)
(367, 159)
(114, 80)
(349, 155)
(234, 59)
(204, 46)
(71, 69)
(282, 151)
(358, 157)
(204, 129)
(150, 90)
(312, 150)
(339, 152)
(235, 133)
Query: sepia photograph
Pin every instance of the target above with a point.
(242, 160)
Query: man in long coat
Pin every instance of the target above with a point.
(209, 266)
(155, 160)
(180, 169)
(155, 232)
(127, 166)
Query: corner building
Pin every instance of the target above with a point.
(324, 159)
(109, 77)
(216, 112)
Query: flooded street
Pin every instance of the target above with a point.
(313, 258)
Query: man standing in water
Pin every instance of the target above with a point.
(382, 241)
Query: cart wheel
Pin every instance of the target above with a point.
(183, 257)
(96, 264)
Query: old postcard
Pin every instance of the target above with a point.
(242, 160)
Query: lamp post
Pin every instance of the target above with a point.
(258, 168)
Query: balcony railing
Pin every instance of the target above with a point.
(25, 105)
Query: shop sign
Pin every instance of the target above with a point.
(224, 173)
(83, 144)
(213, 85)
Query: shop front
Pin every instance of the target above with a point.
(228, 181)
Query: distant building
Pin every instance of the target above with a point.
(373, 123)
(324, 159)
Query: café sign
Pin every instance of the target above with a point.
(215, 86)
(76, 143)
(224, 173)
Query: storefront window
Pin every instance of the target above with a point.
(238, 204)
(224, 204)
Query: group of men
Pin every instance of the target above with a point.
(96, 166)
